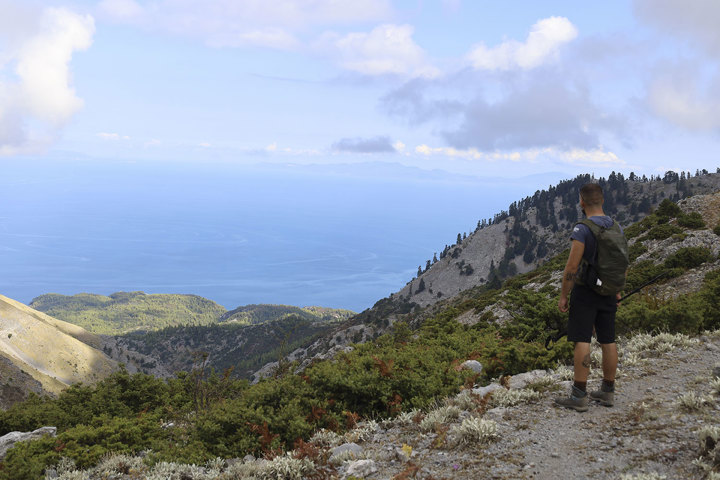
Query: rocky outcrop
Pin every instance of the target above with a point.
(9, 440)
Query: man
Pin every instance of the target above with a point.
(588, 309)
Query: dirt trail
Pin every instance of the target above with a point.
(645, 432)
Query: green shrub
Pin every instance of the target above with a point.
(689, 257)
(691, 220)
(716, 230)
(636, 249)
(663, 231)
(640, 227)
(667, 208)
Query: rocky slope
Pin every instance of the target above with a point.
(42, 354)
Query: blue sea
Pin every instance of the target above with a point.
(340, 236)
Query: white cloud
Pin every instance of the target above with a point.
(678, 97)
(577, 156)
(233, 23)
(387, 49)
(686, 92)
(112, 136)
(37, 97)
(543, 43)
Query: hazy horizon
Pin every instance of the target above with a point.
(234, 234)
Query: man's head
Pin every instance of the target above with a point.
(591, 195)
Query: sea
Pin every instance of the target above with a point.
(334, 235)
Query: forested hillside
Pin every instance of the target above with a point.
(124, 312)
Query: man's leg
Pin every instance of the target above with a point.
(582, 362)
(609, 361)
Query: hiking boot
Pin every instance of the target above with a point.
(603, 397)
(577, 400)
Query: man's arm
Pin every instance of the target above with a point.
(571, 267)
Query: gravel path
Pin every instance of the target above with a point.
(647, 431)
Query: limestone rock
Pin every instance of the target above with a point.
(346, 447)
(7, 441)
(361, 468)
(482, 391)
(473, 365)
(522, 380)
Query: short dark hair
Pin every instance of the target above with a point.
(592, 194)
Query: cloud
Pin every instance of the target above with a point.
(686, 91)
(540, 112)
(232, 23)
(679, 95)
(36, 97)
(379, 144)
(387, 49)
(543, 43)
(112, 136)
(576, 156)
(696, 21)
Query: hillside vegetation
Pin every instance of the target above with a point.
(201, 415)
(245, 348)
(123, 312)
(263, 313)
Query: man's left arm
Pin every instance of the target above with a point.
(577, 249)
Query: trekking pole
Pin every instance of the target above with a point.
(649, 282)
(561, 334)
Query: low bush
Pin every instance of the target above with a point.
(636, 249)
(691, 220)
(662, 231)
(689, 257)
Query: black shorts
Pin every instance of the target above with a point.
(589, 309)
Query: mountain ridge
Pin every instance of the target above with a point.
(54, 353)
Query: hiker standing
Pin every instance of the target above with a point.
(595, 272)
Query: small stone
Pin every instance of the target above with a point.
(482, 391)
(346, 447)
(361, 468)
(473, 365)
(522, 380)
(716, 370)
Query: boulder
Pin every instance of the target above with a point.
(9, 440)
(522, 380)
(482, 391)
(346, 447)
(361, 468)
(473, 365)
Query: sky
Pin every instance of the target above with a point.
(183, 146)
(471, 87)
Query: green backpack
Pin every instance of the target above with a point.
(606, 274)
